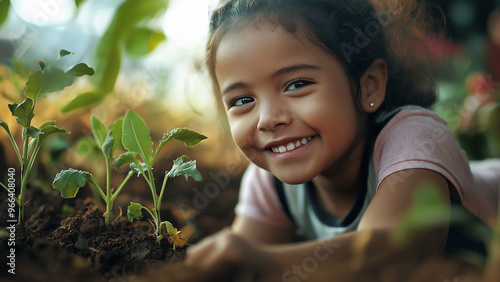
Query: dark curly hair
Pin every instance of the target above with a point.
(356, 32)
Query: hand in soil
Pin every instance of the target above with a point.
(216, 253)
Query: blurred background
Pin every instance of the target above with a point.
(148, 57)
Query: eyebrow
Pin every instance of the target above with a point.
(281, 71)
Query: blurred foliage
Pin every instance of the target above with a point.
(125, 32)
(468, 237)
(78, 3)
(4, 10)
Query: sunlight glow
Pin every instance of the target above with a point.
(186, 21)
(45, 12)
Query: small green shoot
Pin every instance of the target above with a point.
(41, 83)
(137, 140)
(68, 182)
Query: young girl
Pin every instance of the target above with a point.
(335, 125)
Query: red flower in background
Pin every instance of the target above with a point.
(440, 48)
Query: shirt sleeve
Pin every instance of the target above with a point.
(420, 139)
(258, 199)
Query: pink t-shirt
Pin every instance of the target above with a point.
(412, 139)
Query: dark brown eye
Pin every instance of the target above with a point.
(297, 84)
(240, 101)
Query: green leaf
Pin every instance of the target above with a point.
(84, 101)
(189, 137)
(136, 165)
(142, 41)
(125, 158)
(136, 137)
(134, 211)
(68, 182)
(23, 112)
(34, 132)
(34, 84)
(4, 10)
(50, 80)
(54, 80)
(185, 169)
(80, 69)
(116, 129)
(63, 53)
(107, 147)
(5, 126)
(169, 226)
(47, 128)
(99, 130)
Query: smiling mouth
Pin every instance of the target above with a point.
(291, 145)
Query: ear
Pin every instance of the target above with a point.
(373, 84)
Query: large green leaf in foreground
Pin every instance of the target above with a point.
(136, 137)
(68, 182)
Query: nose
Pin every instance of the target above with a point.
(273, 117)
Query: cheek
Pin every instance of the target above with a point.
(241, 132)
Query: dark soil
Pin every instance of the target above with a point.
(67, 240)
(78, 247)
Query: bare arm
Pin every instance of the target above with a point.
(260, 232)
(371, 246)
(367, 248)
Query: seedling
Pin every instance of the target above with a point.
(47, 80)
(137, 140)
(68, 182)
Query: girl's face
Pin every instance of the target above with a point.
(288, 103)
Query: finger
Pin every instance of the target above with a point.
(196, 253)
(201, 253)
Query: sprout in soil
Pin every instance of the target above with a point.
(68, 182)
(41, 83)
(137, 140)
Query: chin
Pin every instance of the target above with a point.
(293, 179)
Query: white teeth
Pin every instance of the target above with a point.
(291, 146)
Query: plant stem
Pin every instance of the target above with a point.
(150, 213)
(156, 205)
(129, 175)
(165, 179)
(144, 175)
(7, 189)
(16, 148)
(109, 203)
(152, 186)
(4, 187)
(24, 173)
(98, 188)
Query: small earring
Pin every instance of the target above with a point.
(372, 105)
